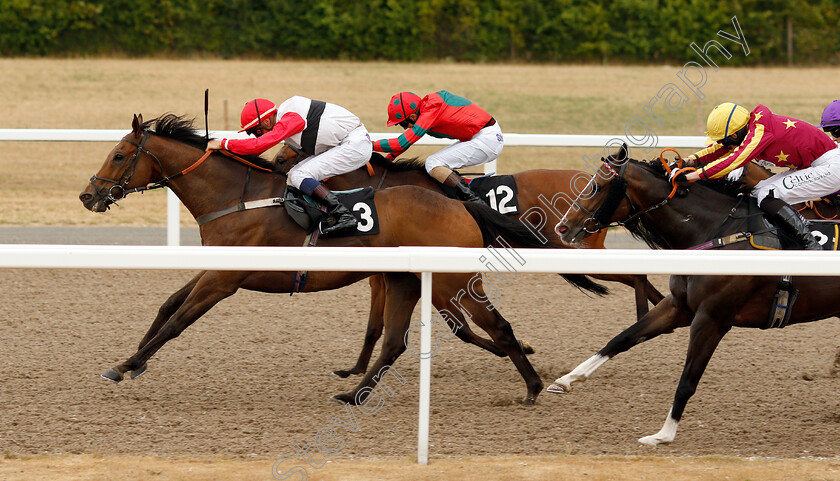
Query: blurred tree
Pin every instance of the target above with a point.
(637, 31)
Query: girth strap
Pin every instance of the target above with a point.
(251, 204)
(722, 241)
(311, 240)
(783, 301)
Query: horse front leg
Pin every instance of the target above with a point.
(706, 334)
(663, 318)
(210, 288)
(402, 291)
(374, 327)
(164, 313)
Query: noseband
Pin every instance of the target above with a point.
(119, 189)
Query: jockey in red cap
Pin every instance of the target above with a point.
(444, 115)
(741, 136)
(335, 139)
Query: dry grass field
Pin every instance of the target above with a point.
(39, 181)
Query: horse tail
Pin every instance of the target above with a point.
(495, 226)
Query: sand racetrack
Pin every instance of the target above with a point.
(251, 378)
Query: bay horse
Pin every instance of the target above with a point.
(168, 151)
(543, 195)
(636, 194)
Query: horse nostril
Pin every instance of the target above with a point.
(561, 229)
(84, 196)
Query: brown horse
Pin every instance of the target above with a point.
(168, 151)
(637, 194)
(543, 195)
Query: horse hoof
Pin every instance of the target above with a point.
(558, 388)
(526, 348)
(138, 372)
(529, 401)
(345, 398)
(111, 375)
(344, 374)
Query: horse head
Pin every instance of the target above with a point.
(128, 166)
(603, 200)
(638, 196)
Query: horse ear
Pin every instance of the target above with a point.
(623, 152)
(135, 124)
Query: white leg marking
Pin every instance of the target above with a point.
(665, 435)
(578, 374)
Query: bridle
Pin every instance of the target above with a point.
(600, 219)
(120, 190)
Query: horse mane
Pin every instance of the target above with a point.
(731, 188)
(182, 129)
(399, 165)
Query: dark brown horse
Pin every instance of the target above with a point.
(637, 194)
(168, 151)
(543, 196)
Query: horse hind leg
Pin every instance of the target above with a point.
(663, 318)
(210, 288)
(374, 328)
(164, 313)
(457, 323)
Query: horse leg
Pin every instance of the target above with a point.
(402, 291)
(706, 334)
(645, 291)
(374, 327)
(210, 288)
(164, 313)
(662, 319)
(501, 332)
(455, 319)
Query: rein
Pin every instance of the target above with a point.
(122, 183)
(600, 218)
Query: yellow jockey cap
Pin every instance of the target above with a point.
(726, 119)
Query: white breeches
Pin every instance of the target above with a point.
(351, 153)
(793, 186)
(485, 146)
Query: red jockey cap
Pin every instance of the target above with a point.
(255, 111)
(401, 106)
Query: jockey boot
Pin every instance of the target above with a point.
(789, 220)
(339, 217)
(462, 189)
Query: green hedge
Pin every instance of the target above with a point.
(634, 31)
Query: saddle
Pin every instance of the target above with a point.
(309, 214)
(765, 235)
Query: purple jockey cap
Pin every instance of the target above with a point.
(831, 115)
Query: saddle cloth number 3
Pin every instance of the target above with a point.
(364, 213)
